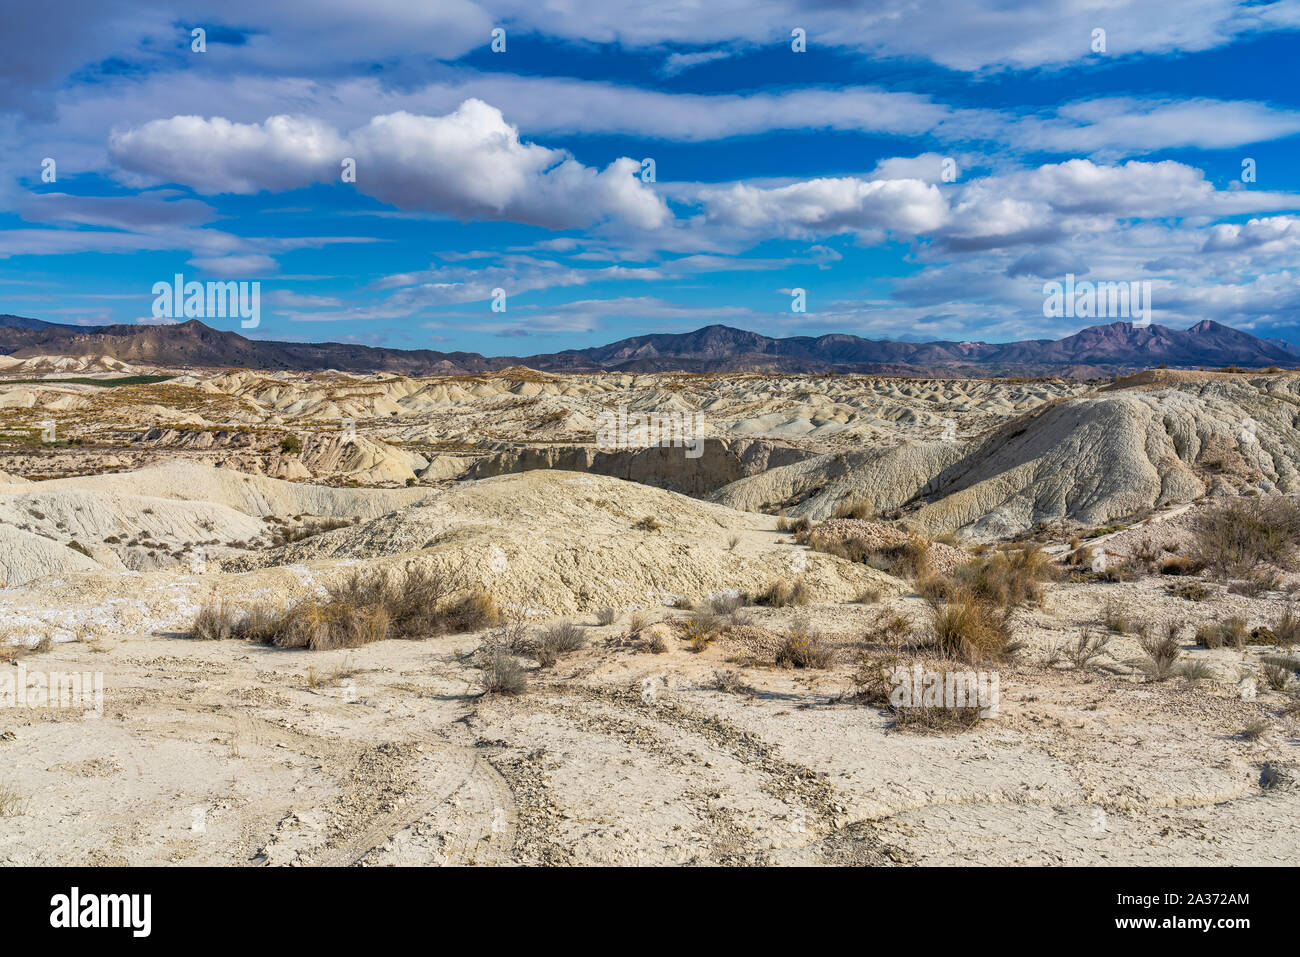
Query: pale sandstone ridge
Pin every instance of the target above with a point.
(553, 542)
(179, 513)
(251, 494)
(720, 462)
(26, 557)
(882, 478)
(1101, 457)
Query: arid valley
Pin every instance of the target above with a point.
(370, 619)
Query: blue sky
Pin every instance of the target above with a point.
(522, 170)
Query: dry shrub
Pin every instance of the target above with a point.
(909, 559)
(221, 620)
(803, 647)
(357, 611)
(606, 616)
(1009, 578)
(892, 631)
(1014, 576)
(875, 680)
(511, 638)
(648, 524)
(856, 509)
(730, 682)
(1287, 627)
(1160, 655)
(1121, 571)
(1254, 730)
(475, 610)
(329, 624)
(505, 676)
(1189, 591)
(1276, 676)
(1180, 565)
(562, 638)
(869, 596)
(936, 589)
(415, 603)
(1257, 583)
(906, 559)
(1087, 649)
(546, 656)
(972, 630)
(726, 604)
(785, 594)
(1236, 539)
(216, 621)
(1114, 617)
(654, 643)
(1230, 631)
(283, 534)
(12, 804)
(1080, 557)
(638, 621)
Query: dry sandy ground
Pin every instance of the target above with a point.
(233, 753)
(225, 753)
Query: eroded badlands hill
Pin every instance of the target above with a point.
(667, 735)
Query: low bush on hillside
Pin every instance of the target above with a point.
(803, 647)
(559, 639)
(801, 525)
(284, 534)
(1084, 652)
(1116, 617)
(855, 509)
(1287, 627)
(357, 611)
(1246, 535)
(1160, 655)
(909, 558)
(1228, 631)
(1008, 578)
(784, 594)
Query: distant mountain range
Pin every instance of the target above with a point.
(1096, 351)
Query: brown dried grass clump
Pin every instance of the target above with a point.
(876, 679)
(803, 647)
(1236, 539)
(1009, 578)
(1230, 631)
(971, 629)
(784, 594)
(357, 611)
(855, 509)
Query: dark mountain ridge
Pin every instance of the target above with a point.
(1096, 351)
